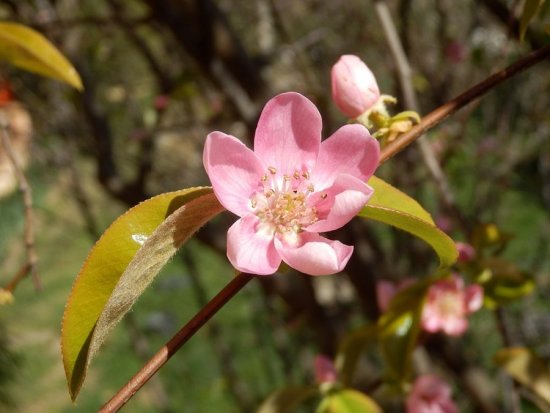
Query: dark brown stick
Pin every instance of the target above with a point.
(170, 348)
(447, 109)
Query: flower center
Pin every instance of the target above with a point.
(281, 204)
(451, 304)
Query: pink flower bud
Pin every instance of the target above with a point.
(325, 372)
(430, 394)
(448, 304)
(161, 102)
(456, 52)
(354, 87)
(466, 252)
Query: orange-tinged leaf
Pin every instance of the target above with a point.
(149, 232)
(26, 48)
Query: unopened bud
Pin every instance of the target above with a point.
(354, 87)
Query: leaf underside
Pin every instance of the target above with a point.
(121, 265)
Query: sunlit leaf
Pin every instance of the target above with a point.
(398, 330)
(26, 48)
(348, 401)
(530, 10)
(441, 243)
(527, 368)
(287, 399)
(503, 282)
(350, 349)
(388, 196)
(121, 265)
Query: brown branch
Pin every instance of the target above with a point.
(447, 109)
(32, 259)
(171, 347)
(237, 283)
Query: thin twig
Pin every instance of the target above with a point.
(171, 347)
(507, 341)
(447, 109)
(404, 71)
(32, 259)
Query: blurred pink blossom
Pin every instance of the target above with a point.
(456, 51)
(325, 372)
(447, 305)
(430, 394)
(161, 102)
(291, 187)
(385, 290)
(354, 87)
(444, 223)
(466, 252)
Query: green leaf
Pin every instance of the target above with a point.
(350, 349)
(503, 282)
(388, 196)
(26, 48)
(393, 207)
(530, 10)
(348, 401)
(287, 399)
(527, 368)
(121, 265)
(398, 330)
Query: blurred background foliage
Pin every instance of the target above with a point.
(159, 75)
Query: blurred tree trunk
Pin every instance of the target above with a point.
(205, 34)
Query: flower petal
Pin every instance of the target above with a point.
(234, 171)
(251, 250)
(454, 326)
(350, 150)
(344, 200)
(288, 134)
(473, 297)
(315, 255)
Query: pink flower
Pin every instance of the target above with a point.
(466, 252)
(354, 87)
(385, 290)
(325, 372)
(290, 188)
(430, 394)
(447, 305)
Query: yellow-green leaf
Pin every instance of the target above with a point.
(398, 330)
(530, 10)
(348, 401)
(287, 400)
(527, 368)
(350, 349)
(388, 196)
(393, 207)
(131, 250)
(26, 48)
(503, 282)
